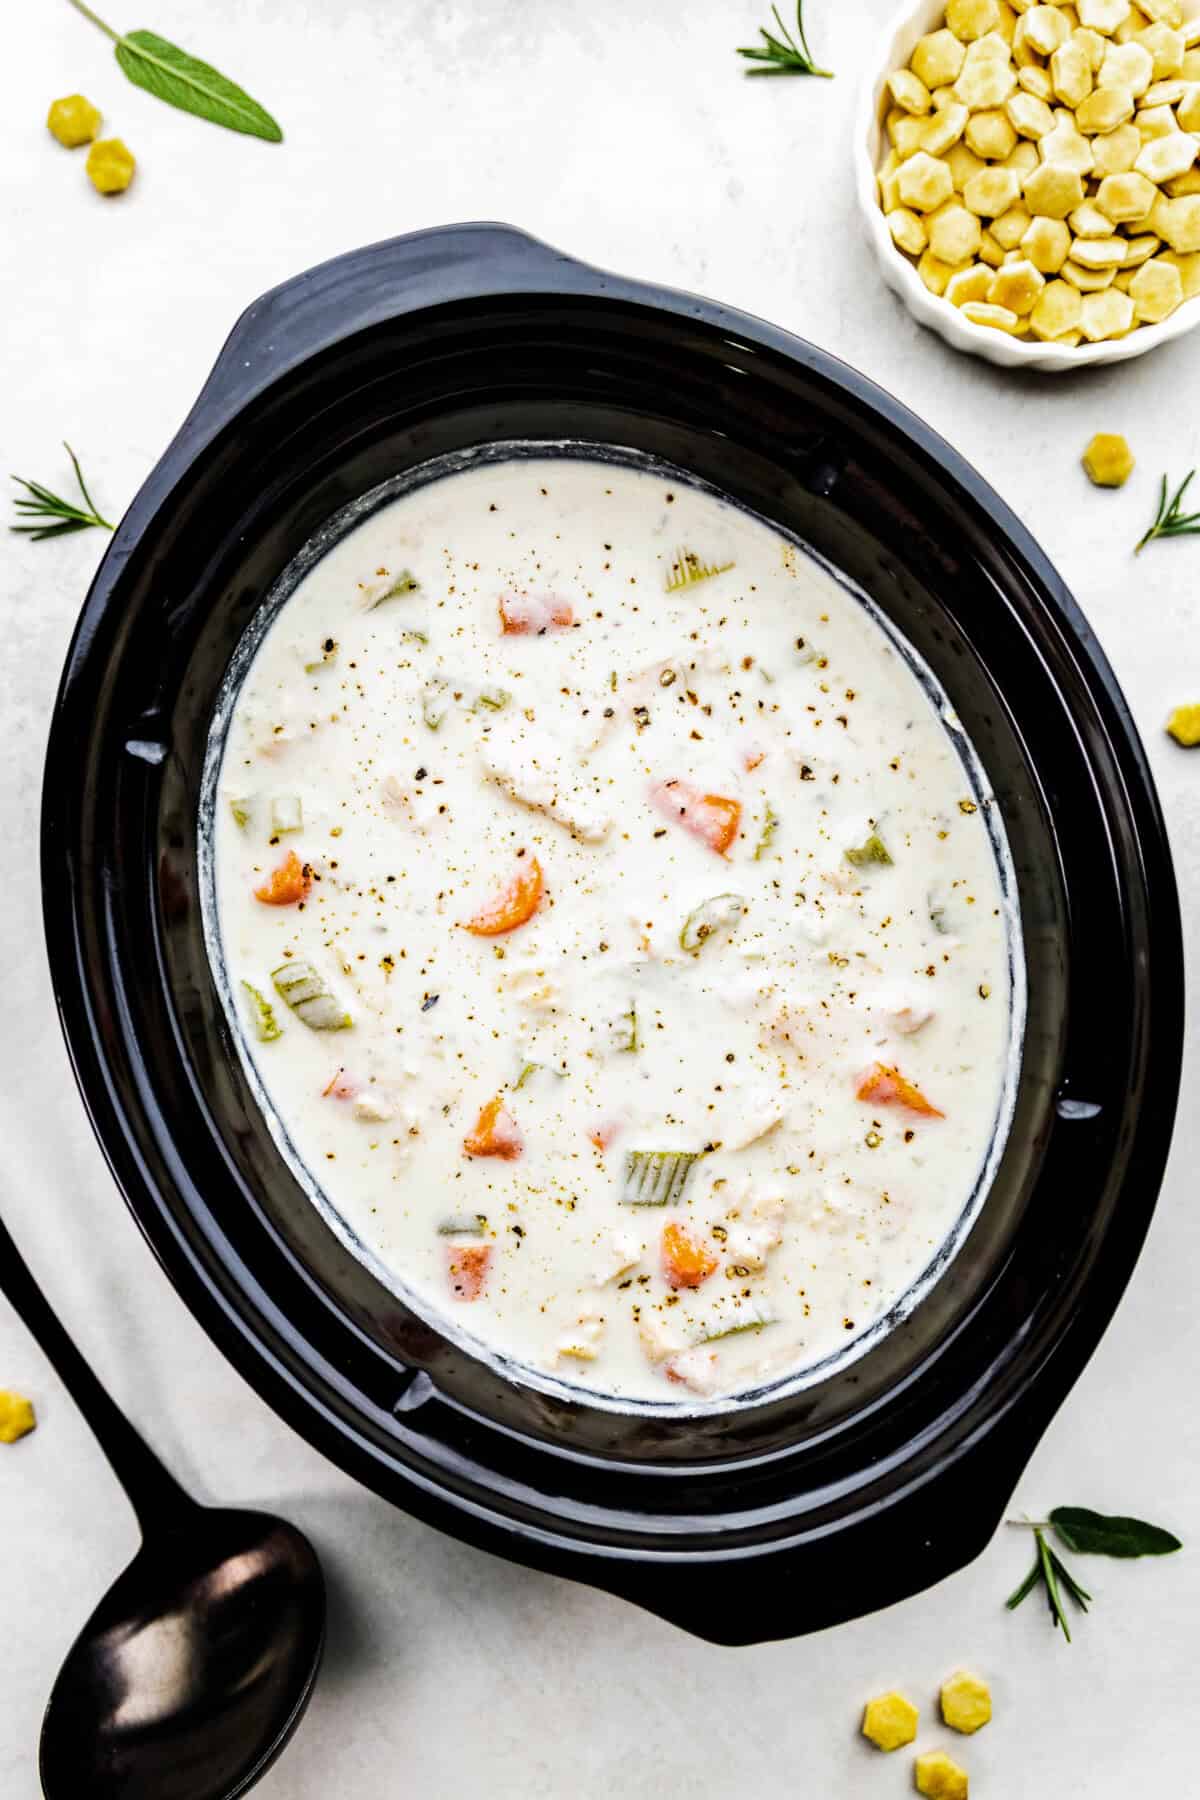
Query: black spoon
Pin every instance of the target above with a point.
(194, 1670)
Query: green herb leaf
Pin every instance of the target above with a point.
(1049, 1565)
(170, 74)
(1026, 1588)
(782, 55)
(39, 504)
(1170, 520)
(196, 87)
(1095, 1534)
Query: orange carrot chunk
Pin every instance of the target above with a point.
(888, 1087)
(685, 1262)
(752, 756)
(495, 1133)
(289, 883)
(514, 905)
(711, 817)
(467, 1266)
(603, 1133)
(521, 614)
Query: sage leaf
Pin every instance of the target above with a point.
(184, 81)
(1095, 1534)
(169, 73)
(151, 62)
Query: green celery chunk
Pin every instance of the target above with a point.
(266, 1026)
(434, 705)
(463, 1225)
(491, 699)
(873, 850)
(749, 1312)
(624, 1031)
(767, 835)
(405, 583)
(309, 996)
(716, 916)
(241, 813)
(657, 1177)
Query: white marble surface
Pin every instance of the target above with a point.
(626, 134)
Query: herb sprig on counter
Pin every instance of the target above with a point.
(1084, 1533)
(782, 55)
(38, 504)
(169, 73)
(1171, 520)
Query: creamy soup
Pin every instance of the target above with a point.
(616, 926)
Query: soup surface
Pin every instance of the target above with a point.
(616, 927)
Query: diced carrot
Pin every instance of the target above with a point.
(467, 1266)
(712, 817)
(521, 614)
(888, 1087)
(752, 756)
(603, 1134)
(290, 882)
(495, 1133)
(685, 1262)
(514, 905)
(341, 1087)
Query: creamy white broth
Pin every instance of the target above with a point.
(850, 961)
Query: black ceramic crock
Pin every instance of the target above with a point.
(758, 1523)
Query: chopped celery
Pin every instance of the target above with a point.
(491, 699)
(766, 836)
(688, 568)
(624, 1031)
(720, 914)
(309, 997)
(241, 813)
(405, 583)
(433, 702)
(413, 636)
(747, 1312)
(657, 1177)
(463, 1225)
(528, 1070)
(287, 814)
(872, 850)
(266, 1026)
(612, 680)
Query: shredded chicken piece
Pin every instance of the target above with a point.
(621, 1252)
(535, 773)
(697, 1370)
(375, 1106)
(759, 1112)
(659, 1338)
(582, 1342)
(532, 989)
(909, 1017)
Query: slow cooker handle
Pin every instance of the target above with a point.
(324, 306)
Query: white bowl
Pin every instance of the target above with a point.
(901, 275)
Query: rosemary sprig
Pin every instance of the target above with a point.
(782, 55)
(1086, 1533)
(1170, 519)
(38, 503)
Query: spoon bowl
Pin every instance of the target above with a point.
(194, 1670)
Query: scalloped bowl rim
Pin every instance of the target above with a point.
(929, 309)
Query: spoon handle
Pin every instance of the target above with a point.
(155, 1495)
